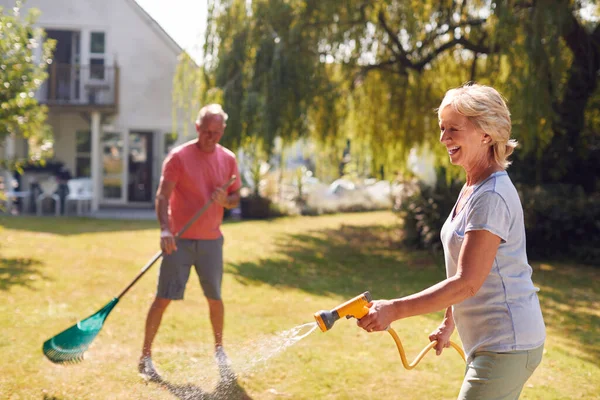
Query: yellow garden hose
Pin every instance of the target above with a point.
(422, 353)
(357, 308)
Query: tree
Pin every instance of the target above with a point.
(21, 73)
(375, 71)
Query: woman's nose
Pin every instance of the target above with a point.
(443, 136)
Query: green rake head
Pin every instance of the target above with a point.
(69, 346)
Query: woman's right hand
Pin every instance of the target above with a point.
(442, 335)
(167, 242)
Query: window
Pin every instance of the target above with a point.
(97, 68)
(83, 151)
(97, 42)
(98, 54)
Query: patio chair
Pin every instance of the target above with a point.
(80, 191)
(48, 187)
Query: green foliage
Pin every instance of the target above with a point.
(374, 72)
(562, 222)
(21, 74)
(424, 209)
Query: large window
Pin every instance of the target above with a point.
(97, 57)
(83, 151)
(112, 165)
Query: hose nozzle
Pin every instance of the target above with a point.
(356, 307)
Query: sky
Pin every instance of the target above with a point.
(183, 20)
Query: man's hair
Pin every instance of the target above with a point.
(487, 110)
(209, 111)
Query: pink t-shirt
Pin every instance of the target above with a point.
(196, 175)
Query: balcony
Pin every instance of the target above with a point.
(81, 88)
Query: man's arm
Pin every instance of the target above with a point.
(167, 241)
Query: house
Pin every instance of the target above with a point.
(109, 96)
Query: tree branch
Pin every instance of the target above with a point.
(401, 53)
(476, 48)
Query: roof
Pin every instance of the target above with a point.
(156, 26)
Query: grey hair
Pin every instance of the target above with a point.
(210, 110)
(487, 110)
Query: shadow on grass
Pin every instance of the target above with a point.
(570, 297)
(19, 272)
(67, 226)
(73, 225)
(350, 260)
(345, 262)
(225, 390)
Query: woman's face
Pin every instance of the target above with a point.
(465, 144)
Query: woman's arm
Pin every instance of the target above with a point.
(474, 265)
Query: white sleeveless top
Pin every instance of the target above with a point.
(505, 314)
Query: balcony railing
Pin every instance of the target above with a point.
(75, 85)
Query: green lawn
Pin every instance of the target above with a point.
(54, 271)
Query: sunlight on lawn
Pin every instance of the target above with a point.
(277, 275)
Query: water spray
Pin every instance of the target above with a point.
(358, 308)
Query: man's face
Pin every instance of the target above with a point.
(210, 131)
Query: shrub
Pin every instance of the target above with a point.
(423, 210)
(562, 222)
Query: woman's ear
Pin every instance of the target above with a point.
(487, 139)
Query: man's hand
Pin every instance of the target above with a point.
(219, 196)
(167, 241)
(442, 335)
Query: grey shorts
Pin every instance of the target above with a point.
(499, 376)
(205, 255)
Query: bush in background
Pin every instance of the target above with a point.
(562, 222)
(423, 210)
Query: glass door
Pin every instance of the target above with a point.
(112, 167)
(139, 185)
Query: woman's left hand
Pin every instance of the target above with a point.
(380, 316)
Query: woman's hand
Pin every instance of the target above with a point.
(380, 316)
(442, 335)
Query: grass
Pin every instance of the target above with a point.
(54, 271)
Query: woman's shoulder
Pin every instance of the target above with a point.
(499, 188)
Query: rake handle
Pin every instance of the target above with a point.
(160, 253)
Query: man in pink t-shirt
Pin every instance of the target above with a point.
(193, 174)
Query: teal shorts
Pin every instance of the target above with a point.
(205, 255)
(499, 376)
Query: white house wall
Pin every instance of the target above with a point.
(146, 57)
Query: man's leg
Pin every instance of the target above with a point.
(155, 314)
(172, 277)
(217, 316)
(209, 266)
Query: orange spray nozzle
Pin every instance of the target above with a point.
(353, 308)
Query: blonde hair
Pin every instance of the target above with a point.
(210, 110)
(487, 110)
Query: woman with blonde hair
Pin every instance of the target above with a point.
(488, 294)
